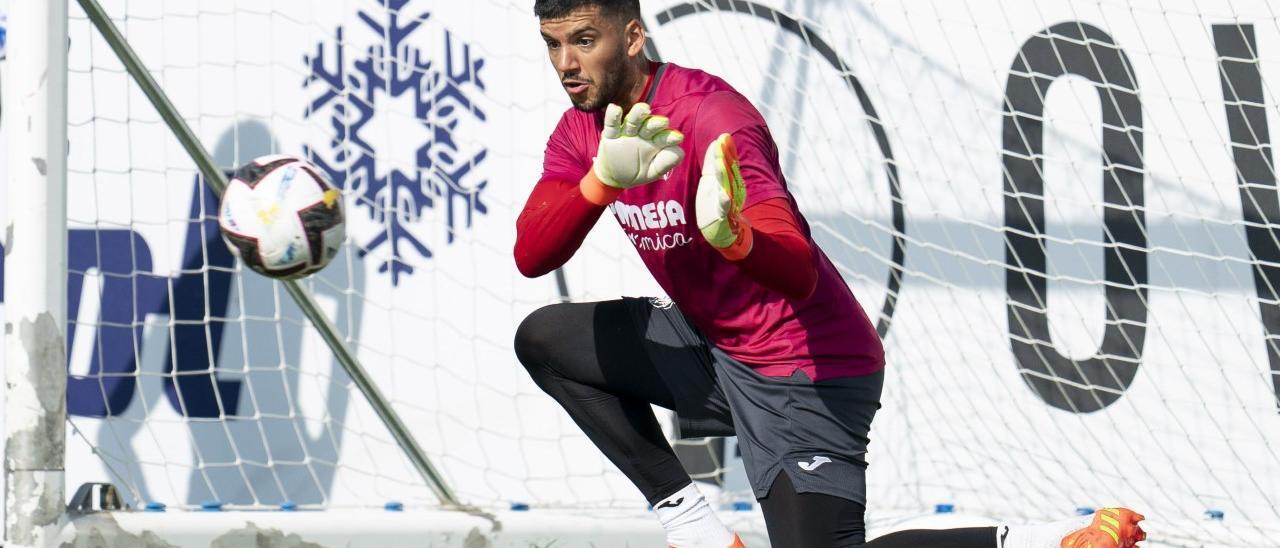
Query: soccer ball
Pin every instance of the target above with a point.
(282, 217)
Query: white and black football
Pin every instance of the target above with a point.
(282, 217)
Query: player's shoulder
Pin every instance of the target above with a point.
(577, 127)
(572, 119)
(689, 86)
(704, 93)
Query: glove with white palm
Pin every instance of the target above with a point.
(636, 150)
(719, 200)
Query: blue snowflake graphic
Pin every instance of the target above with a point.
(391, 68)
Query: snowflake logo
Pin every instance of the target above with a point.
(399, 162)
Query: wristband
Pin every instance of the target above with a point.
(597, 192)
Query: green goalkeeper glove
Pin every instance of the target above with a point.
(721, 193)
(636, 150)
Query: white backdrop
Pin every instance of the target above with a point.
(459, 147)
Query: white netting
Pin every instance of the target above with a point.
(1065, 273)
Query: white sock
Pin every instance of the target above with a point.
(690, 522)
(1039, 535)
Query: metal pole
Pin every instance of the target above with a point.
(215, 178)
(371, 392)
(35, 410)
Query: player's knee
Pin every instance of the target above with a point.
(536, 338)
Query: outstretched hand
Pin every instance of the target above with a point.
(637, 149)
(721, 193)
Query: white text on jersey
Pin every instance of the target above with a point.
(650, 216)
(660, 242)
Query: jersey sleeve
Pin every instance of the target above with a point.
(781, 257)
(556, 218)
(565, 158)
(729, 112)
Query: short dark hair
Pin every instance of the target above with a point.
(622, 10)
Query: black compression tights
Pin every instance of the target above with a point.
(798, 520)
(590, 358)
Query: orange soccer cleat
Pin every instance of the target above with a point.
(1111, 528)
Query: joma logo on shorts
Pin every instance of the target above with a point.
(650, 216)
(811, 466)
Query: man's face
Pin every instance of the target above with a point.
(589, 53)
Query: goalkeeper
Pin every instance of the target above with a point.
(761, 338)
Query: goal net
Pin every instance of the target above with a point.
(1061, 216)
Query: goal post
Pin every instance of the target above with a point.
(35, 242)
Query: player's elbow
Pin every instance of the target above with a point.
(531, 259)
(803, 285)
(535, 262)
(808, 284)
(529, 267)
(802, 281)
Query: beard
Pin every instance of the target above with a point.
(609, 87)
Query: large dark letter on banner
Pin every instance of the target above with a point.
(1090, 384)
(1255, 174)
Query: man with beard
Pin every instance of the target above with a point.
(761, 338)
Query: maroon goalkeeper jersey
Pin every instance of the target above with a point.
(826, 335)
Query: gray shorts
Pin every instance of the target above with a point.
(816, 432)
